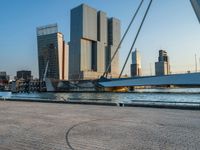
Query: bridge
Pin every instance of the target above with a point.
(189, 79)
(196, 7)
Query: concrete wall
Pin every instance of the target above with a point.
(76, 23)
(86, 55)
(102, 27)
(114, 31)
(101, 57)
(115, 63)
(114, 34)
(89, 23)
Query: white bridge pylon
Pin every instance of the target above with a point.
(189, 79)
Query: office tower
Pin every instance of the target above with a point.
(93, 40)
(113, 42)
(136, 64)
(52, 53)
(162, 67)
(196, 7)
(24, 74)
(4, 77)
(4, 80)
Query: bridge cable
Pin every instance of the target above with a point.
(133, 18)
(136, 37)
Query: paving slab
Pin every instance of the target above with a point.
(46, 126)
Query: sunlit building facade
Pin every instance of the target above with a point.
(162, 67)
(93, 40)
(52, 53)
(136, 69)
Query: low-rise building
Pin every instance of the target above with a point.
(24, 75)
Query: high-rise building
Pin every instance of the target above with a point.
(24, 74)
(4, 77)
(4, 80)
(113, 42)
(196, 6)
(52, 53)
(93, 40)
(136, 64)
(162, 67)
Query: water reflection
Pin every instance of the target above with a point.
(160, 95)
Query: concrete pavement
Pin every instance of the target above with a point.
(46, 126)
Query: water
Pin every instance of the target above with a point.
(177, 96)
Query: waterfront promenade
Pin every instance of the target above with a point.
(51, 126)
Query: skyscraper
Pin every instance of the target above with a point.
(93, 40)
(162, 67)
(136, 64)
(52, 53)
(4, 80)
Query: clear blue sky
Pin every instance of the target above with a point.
(170, 25)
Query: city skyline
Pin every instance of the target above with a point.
(179, 33)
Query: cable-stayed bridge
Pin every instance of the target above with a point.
(188, 79)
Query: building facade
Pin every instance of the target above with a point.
(24, 75)
(196, 7)
(162, 67)
(136, 64)
(4, 80)
(93, 40)
(52, 53)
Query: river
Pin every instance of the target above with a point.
(180, 95)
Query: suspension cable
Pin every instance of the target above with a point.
(145, 15)
(133, 18)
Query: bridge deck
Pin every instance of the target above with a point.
(175, 79)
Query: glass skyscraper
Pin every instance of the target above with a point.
(52, 53)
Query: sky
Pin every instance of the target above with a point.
(170, 25)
